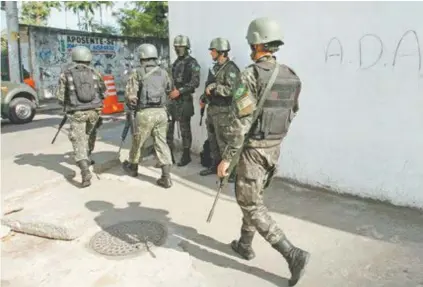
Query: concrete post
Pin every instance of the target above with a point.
(11, 9)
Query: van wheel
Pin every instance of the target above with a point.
(21, 110)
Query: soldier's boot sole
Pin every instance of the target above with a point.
(130, 168)
(164, 182)
(184, 161)
(296, 258)
(297, 266)
(246, 253)
(86, 178)
(208, 171)
(186, 158)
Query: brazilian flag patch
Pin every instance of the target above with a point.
(232, 75)
(240, 91)
(196, 68)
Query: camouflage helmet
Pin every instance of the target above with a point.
(181, 40)
(264, 30)
(81, 54)
(220, 44)
(147, 51)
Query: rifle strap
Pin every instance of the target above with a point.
(145, 76)
(221, 68)
(265, 94)
(257, 112)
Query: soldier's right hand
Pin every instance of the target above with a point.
(132, 103)
(207, 91)
(202, 104)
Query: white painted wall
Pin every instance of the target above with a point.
(359, 130)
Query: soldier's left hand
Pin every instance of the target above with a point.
(208, 91)
(174, 94)
(222, 169)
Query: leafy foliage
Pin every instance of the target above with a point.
(88, 8)
(105, 29)
(137, 19)
(143, 18)
(4, 43)
(37, 13)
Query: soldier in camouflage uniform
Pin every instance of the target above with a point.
(146, 92)
(218, 95)
(81, 92)
(260, 154)
(186, 77)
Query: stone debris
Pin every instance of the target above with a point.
(42, 229)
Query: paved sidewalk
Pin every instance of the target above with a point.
(352, 242)
(32, 170)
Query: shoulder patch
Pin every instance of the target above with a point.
(196, 68)
(240, 91)
(232, 75)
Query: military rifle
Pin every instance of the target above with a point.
(235, 159)
(202, 115)
(129, 123)
(62, 123)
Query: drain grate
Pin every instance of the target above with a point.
(129, 238)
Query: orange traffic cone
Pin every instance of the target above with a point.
(111, 104)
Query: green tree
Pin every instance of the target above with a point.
(143, 18)
(4, 57)
(106, 29)
(37, 13)
(4, 42)
(87, 8)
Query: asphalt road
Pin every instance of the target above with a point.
(37, 135)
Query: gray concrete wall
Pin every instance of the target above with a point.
(359, 129)
(49, 49)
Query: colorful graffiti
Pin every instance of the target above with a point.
(111, 55)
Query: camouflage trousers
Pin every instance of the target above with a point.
(217, 122)
(186, 134)
(255, 169)
(151, 122)
(83, 132)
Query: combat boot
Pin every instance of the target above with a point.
(85, 172)
(165, 180)
(296, 258)
(209, 171)
(130, 168)
(186, 157)
(243, 246)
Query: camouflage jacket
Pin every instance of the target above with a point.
(61, 89)
(186, 78)
(221, 82)
(133, 83)
(246, 97)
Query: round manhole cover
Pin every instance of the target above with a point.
(129, 238)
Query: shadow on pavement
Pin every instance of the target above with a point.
(368, 218)
(363, 217)
(54, 162)
(8, 127)
(109, 215)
